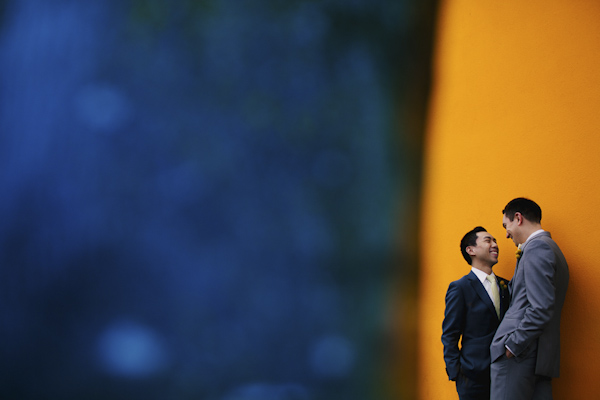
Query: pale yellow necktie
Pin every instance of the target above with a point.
(495, 293)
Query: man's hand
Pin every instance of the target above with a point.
(509, 354)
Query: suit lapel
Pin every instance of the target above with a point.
(504, 296)
(481, 292)
(523, 248)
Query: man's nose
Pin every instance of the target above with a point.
(507, 235)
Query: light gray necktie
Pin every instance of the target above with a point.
(495, 293)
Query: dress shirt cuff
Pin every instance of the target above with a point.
(508, 348)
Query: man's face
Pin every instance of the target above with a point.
(512, 228)
(486, 249)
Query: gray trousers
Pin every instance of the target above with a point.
(515, 379)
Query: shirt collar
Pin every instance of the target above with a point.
(482, 276)
(532, 236)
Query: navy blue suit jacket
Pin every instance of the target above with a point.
(470, 315)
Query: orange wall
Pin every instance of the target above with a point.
(515, 111)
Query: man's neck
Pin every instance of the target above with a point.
(529, 229)
(485, 268)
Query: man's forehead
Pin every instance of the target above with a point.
(483, 235)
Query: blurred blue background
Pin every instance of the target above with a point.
(206, 199)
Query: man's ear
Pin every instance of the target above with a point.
(470, 250)
(519, 218)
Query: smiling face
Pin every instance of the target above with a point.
(485, 252)
(512, 228)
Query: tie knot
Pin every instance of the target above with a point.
(490, 278)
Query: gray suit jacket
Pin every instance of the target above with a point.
(538, 290)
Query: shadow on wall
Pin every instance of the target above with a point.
(201, 198)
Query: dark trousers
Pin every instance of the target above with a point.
(470, 389)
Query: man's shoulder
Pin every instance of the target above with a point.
(459, 288)
(540, 239)
(543, 246)
(540, 243)
(464, 280)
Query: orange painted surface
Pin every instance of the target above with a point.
(515, 112)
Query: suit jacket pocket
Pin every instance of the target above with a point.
(530, 351)
(475, 358)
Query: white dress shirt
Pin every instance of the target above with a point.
(482, 276)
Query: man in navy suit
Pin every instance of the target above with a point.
(475, 305)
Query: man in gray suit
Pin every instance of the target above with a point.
(525, 351)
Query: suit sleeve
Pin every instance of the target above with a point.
(539, 273)
(452, 328)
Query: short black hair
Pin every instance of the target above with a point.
(528, 209)
(470, 239)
